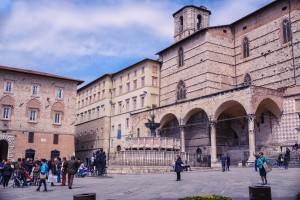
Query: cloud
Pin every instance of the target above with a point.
(229, 11)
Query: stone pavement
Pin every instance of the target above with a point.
(285, 184)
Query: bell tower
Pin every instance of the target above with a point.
(188, 20)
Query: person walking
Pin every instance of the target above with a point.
(262, 172)
(178, 167)
(7, 172)
(227, 163)
(44, 170)
(72, 166)
(64, 171)
(286, 161)
(1, 171)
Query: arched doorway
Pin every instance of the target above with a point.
(30, 153)
(55, 154)
(3, 149)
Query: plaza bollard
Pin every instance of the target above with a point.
(87, 196)
(260, 193)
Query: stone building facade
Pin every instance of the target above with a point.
(231, 88)
(105, 106)
(37, 114)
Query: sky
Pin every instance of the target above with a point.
(85, 39)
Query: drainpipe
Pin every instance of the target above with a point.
(293, 58)
(234, 52)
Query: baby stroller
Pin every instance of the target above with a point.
(82, 172)
(29, 179)
(19, 179)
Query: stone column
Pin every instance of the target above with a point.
(182, 139)
(213, 141)
(251, 133)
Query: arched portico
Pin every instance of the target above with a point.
(230, 132)
(196, 135)
(169, 126)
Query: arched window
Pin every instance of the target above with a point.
(245, 47)
(286, 27)
(180, 57)
(181, 23)
(247, 79)
(199, 22)
(181, 90)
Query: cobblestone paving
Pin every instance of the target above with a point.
(285, 184)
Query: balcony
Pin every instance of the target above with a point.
(153, 143)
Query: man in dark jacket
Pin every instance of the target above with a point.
(72, 167)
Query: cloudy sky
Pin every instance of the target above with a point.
(85, 39)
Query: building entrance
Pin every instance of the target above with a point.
(3, 150)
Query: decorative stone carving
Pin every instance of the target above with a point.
(11, 144)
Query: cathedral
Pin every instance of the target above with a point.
(232, 89)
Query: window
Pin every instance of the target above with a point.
(31, 137)
(8, 87)
(55, 139)
(6, 112)
(57, 118)
(154, 81)
(143, 102)
(180, 57)
(143, 70)
(245, 47)
(287, 34)
(143, 81)
(127, 105)
(128, 87)
(181, 90)
(181, 23)
(135, 73)
(59, 93)
(138, 132)
(134, 84)
(127, 122)
(103, 93)
(128, 76)
(247, 79)
(199, 22)
(120, 107)
(32, 115)
(297, 105)
(134, 103)
(99, 95)
(119, 135)
(121, 78)
(154, 69)
(120, 89)
(112, 128)
(35, 90)
(114, 92)
(113, 109)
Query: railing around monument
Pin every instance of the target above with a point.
(158, 143)
(148, 157)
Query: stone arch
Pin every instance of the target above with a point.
(232, 130)
(10, 139)
(7, 100)
(196, 129)
(169, 126)
(227, 105)
(268, 104)
(57, 106)
(34, 103)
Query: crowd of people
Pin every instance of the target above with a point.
(26, 172)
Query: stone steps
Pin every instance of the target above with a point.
(115, 169)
